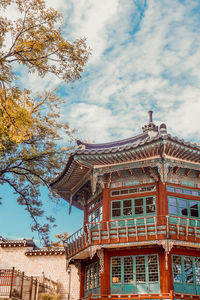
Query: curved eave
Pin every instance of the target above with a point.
(182, 142)
(74, 202)
(112, 144)
(139, 142)
(82, 161)
(62, 174)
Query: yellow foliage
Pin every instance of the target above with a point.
(16, 118)
(49, 296)
(37, 43)
(30, 125)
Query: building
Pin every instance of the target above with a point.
(141, 231)
(24, 268)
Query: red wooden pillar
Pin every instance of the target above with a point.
(166, 278)
(161, 203)
(85, 217)
(171, 284)
(106, 204)
(106, 208)
(105, 276)
(82, 281)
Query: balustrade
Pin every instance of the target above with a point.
(133, 230)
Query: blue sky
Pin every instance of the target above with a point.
(145, 55)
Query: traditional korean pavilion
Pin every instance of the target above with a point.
(141, 230)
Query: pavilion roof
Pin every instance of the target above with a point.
(153, 142)
(131, 143)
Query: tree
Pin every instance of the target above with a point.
(61, 238)
(30, 126)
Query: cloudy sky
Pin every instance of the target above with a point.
(145, 56)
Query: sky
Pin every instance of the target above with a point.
(145, 56)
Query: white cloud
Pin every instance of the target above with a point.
(144, 57)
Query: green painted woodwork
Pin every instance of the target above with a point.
(92, 279)
(179, 190)
(186, 209)
(133, 190)
(95, 217)
(135, 208)
(135, 274)
(186, 274)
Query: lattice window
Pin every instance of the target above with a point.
(136, 190)
(92, 277)
(197, 270)
(134, 272)
(150, 205)
(139, 207)
(95, 216)
(186, 273)
(194, 209)
(183, 211)
(183, 208)
(184, 191)
(127, 208)
(153, 268)
(116, 270)
(131, 208)
(94, 203)
(128, 269)
(172, 206)
(140, 269)
(87, 280)
(188, 269)
(177, 270)
(116, 208)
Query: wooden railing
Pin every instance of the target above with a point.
(15, 284)
(160, 296)
(133, 230)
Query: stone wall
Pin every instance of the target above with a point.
(51, 266)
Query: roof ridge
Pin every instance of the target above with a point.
(111, 144)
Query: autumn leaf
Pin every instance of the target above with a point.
(30, 125)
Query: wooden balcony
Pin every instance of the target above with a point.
(161, 296)
(133, 230)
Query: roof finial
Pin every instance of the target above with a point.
(150, 128)
(150, 113)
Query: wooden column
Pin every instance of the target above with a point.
(85, 217)
(82, 281)
(161, 201)
(106, 208)
(171, 284)
(166, 278)
(105, 276)
(106, 204)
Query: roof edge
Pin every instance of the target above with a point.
(111, 144)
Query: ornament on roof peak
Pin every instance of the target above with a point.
(150, 128)
(81, 146)
(163, 129)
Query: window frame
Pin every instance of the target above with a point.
(122, 275)
(182, 284)
(133, 206)
(188, 207)
(183, 190)
(92, 279)
(96, 219)
(133, 190)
